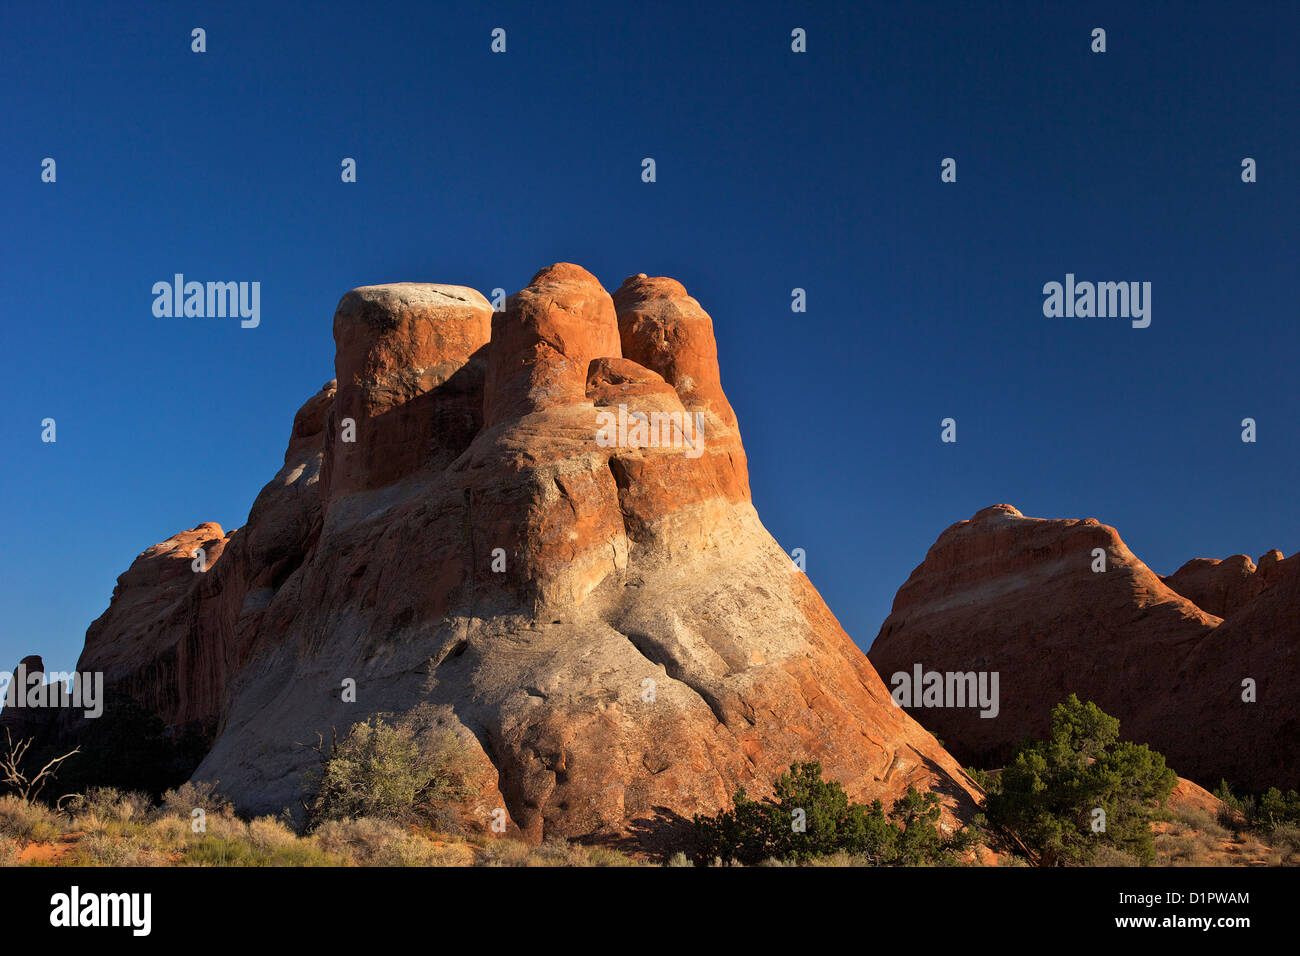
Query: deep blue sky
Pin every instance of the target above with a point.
(775, 170)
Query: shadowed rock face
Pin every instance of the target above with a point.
(609, 626)
(1018, 595)
(1255, 743)
(24, 723)
(1222, 587)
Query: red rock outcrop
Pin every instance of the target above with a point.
(543, 537)
(1022, 597)
(1255, 653)
(666, 331)
(544, 342)
(1222, 586)
(1187, 795)
(409, 382)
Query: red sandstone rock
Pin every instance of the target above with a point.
(664, 329)
(1219, 587)
(1018, 595)
(1187, 795)
(611, 381)
(408, 381)
(1254, 744)
(544, 341)
(609, 627)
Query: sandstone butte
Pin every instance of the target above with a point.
(648, 648)
(1167, 656)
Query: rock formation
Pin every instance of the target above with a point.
(608, 626)
(20, 722)
(1220, 735)
(1224, 586)
(1026, 598)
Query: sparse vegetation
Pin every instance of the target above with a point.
(409, 772)
(1268, 810)
(26, 822)
(387, 795)
(1062, 800)
(1272, 817)
(107, 827)
(551, 853)
(808, 819)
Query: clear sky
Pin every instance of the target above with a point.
(775, 170)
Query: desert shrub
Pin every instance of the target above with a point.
(604, 856)
(368, 841)
(559, 852)
(270, 833)
(1106, 855)
(506, 852)
(1237, 810)
(1286, 834)
(1275, 808)
(1202, 821)
(409, 772)
(362, 840)
(27, 822)
(211, 849)
(754, 831)
(113, 849)
(169, 832)
(1266, 810)
(375, 842)
(1189, 838)
(108, 803)
(106, 812)
(1272, 816)
(416, 850)
(190, 796)
(1046, 799)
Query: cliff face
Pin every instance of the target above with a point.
(1023, 597)
(1221, 735)
(474, 520)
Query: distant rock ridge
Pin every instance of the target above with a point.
(611, 630)
(1024, 597)
(1224, 586)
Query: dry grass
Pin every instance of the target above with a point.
(27, 822)
(104, 827)
(506, 852)
(1192, 837)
